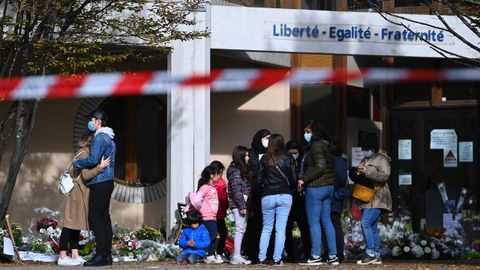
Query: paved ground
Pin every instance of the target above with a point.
(395, 265)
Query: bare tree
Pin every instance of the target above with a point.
(467, 11)
(39, 37)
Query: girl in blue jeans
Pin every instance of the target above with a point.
(278, 180)
(318, 177)
(375, 167)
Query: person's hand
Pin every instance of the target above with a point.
(191, 243)
(104, 162)
(361, 170)
(243, 212)
(300, 185)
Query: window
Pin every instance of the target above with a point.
(408, 3)
(319, 4)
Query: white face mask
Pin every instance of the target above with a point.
(295, 156)
(265, 143)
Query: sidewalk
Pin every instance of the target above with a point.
(171, 265)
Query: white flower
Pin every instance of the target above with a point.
(417, 251)
(406, 249)
(43, 231)
(427, 250)
(435, 254)
(432, 244)
(423, 242)
(396, 251)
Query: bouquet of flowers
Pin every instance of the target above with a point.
(44, 231)
(354, 241)
(125, 244)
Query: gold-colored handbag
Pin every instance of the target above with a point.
(363, 193)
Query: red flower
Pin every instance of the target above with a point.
(44, 223)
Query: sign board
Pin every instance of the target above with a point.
(405, 149)
(451, 221)
(357, 156)
(445, 139)
(404, 179)
(8, 246)
(334, 32)
(465, 153)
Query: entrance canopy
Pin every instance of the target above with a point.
(334, 32)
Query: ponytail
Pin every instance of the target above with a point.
(205, 177)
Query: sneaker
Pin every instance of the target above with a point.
(333, 261)
(79, 259)
(367, 259)
(221, 258)
(313, 261)
(378, 260)
(278, 263)
(212, 259)
(67, 261)
(239, 260)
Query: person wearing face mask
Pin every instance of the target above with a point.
(101, 187)
(251, 240)
(298, 213)
(375, 167)
(318, 179)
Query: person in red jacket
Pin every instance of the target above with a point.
(221, 187)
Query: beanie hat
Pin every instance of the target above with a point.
(370, 141)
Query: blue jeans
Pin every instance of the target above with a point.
(274, 205)
(370, 217)
(318, 202)
(190, 258)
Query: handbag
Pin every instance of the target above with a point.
(67, 183)
(363, 193)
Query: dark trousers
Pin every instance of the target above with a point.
(298, 214)
(222, 231)
(211, 226)
(99, 216)
(251, 239)
(339, 236)
(69, 236)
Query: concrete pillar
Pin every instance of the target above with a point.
(188, 149)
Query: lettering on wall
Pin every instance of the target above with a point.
(355, 33)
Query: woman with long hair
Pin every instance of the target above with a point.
(278, 180)
(318, 179)
(239, 191)
(75, 216)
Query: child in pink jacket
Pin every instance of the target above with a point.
(205, 200)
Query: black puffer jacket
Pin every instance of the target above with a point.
(272, 180)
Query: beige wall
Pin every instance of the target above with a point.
(50, 152)
(235, 119)
(237, 116)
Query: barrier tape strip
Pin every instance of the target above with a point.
(219, 80)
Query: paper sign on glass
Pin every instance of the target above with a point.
(405, 149)
(465, 152)
(405, 179)
(443, 138)
(357, 156)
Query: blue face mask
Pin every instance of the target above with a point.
(307, 137)
(368, 153)
(295, 156)
(90, 126)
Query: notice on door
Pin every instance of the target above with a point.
(357, 156)
(465, 153)
(404, 179)
(445, 139)
(405, 149)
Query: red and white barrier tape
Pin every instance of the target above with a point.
(161, 82)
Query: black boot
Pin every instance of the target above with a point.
(96, 261)
(109, 260)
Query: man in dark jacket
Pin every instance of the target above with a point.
(101, 187)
